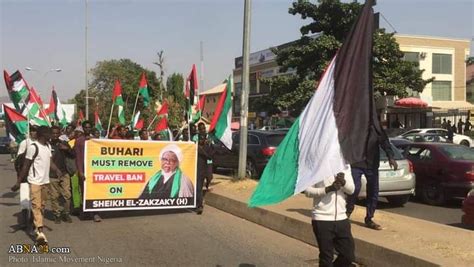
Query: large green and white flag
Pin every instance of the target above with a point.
(336, 128)
(220, 123)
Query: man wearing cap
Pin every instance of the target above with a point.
(170, 181)
(84, 134)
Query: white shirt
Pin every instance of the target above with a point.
(23, 145)
(39, 170)
(330, 206)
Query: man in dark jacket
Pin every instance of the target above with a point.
(370, 169)
(60, 186)
(205, 153)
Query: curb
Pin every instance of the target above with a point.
(367, 253)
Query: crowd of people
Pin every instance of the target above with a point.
(49, 157)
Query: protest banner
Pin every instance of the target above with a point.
(132, 175)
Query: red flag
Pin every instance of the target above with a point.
(192, 85)
(35, 98)
(162, 125)
(163, 110)
(117, 90)
(202, 101)
(7, 79)
(81, 118)
(139, 124)
(52, 104)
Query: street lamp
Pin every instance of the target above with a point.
(44, 75)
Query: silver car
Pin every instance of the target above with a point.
(397, 186)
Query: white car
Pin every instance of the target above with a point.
(457, 138)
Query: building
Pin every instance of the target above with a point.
(470, 83)
(262, 65)
(441, 58)
(212, 98)
(445, 60)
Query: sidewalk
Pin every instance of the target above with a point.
(405, 241)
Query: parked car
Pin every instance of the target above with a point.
(442, 171)
(268, 128)
(457, 138)
(468, 209)
(261, 145)
(4, 145)
(397, 186)
(427, 137)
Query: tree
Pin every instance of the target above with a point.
(176, 99)
(321, 38)
(470, 61)
(129, 73)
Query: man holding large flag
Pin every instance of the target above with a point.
(338, 127)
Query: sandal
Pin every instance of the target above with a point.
(372, 225)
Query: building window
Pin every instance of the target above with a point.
(442, 64)
(441, 90)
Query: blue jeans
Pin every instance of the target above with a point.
(372, 189)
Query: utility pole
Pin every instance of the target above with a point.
(202, 69)
(85, 68)
(245, 92)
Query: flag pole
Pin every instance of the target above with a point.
(135, 107)
(110, 120)
(149, 126)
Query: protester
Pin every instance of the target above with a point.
(144, 135)
(118, 132)
(25, 143)
(331, 225)
(13, 149)
(170, 181)
(68, 133)
(130, 135)
(60, 186)
(460, 128)
(25, 203)
(36, 171)
(95, 133)
(467, 126)
(450, 131)
(444, 125)
(454, 129)
(370, 169)
(205, 153)
(209, 172)
(79, 148)
(185, 135)
(192, 130)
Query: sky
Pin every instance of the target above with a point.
(49, 34)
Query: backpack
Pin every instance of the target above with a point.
(20, 159)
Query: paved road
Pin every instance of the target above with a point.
(449, 214)
(155, 238)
